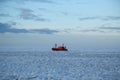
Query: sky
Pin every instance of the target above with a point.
(79, 24)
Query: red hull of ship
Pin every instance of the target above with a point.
(59, 49)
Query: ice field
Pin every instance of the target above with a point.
(71, 65)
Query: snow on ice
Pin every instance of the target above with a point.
(33, 65)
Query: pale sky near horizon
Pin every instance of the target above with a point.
(80, 24)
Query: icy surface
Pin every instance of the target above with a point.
(33, 65)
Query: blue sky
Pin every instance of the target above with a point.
(80, 24)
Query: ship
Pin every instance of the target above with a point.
(59, 48)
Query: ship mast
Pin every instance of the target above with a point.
(55, 45)
(63, 45)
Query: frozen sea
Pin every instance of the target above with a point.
(49, 65)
